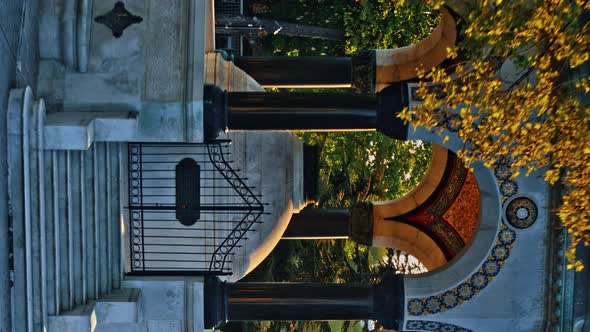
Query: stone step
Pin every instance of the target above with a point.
(120, 309)
(88, 212)
(65, 211)
(64, 237)
(109, 215)
(25, 214)
(78, 130)
(75, 253)
(81, 319)
(50, 239)
(37, 216)
(124, 327)
(114, 160)
(100, 216)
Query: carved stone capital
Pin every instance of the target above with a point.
(361, 223)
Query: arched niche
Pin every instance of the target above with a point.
(400, 64)
(373, 69)
(471, 258)
(411, 240)
(437, 220)
(424, 189)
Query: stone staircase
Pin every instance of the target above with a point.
(118, 311)
(66, 210)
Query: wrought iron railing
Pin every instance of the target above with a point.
(188, 208)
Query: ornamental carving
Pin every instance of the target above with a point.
(118, 19)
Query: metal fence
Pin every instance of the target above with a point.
(188, 208)
(229, 7)
(230, 41)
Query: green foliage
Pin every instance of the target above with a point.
(363, 166)
(533, 114)
(368, 24)
(381, 24)
(325, 13)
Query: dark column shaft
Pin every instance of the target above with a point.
(298, 301)
(305, 111)
(297, 71)
(301, 111)
(318, 224)
(240, 301)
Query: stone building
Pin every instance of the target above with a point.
(147, 173)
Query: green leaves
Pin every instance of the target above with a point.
(362, 166)
(382, 24)
(529, 115)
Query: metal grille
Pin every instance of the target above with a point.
(230, 41)
(226, 211)
(228, 7)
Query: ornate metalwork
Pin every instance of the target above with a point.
(136, 216)
(521, 212)
(118, 19)
(361, 223)
(252, 205)
(226, 211)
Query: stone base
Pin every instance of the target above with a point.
(170, 304)
(119, 311)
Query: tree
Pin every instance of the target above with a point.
(367, 24)
(382, 24)
(535, 118)
(363, 166)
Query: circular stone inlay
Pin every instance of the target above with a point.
(521, 212)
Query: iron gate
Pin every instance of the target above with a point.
(188, 208)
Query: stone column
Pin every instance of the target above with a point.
(312, 71)
(383, 301)
(295, 71)
(316, 224)
(301, 111)
(306, 111)
(332, 223)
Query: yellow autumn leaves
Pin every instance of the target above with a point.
(516, 84)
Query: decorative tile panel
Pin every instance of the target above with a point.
(521, 212)
(426, 325)
(481, 278)
(445, 209)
